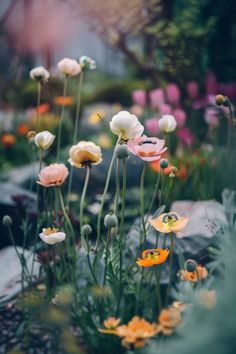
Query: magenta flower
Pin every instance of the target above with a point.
(164, 109)
(211, 84)
(157, 97)
(139, 97)
(173, 94)
(186, 136)
(180, 117)
(152, 125)
(148, 149)
(193, 90)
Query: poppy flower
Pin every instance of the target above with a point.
(23, 129)
(169, 319)
(199, 274)
(152, 257)
(63, 100)
(148, 149)
(53, 175)
(111, 323)
(155, 166)
(8, 139)
(85, 153)
(169, 222)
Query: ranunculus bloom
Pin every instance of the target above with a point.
(135, 333)
(167, 123)
(152, 257)
(180, 116)
(52, 236)
(157, 97)
(53, 175)
(44, 140)
(173, 94)
(39, 74)
(85, 153)
(148, 149)
(199, 274)
(8, 139)
(111, 323)
(193, 89)
(186, 136)
(69, 67)
(139, 97)
(152, 125)
(169, 319)
(164, 108)
(126, 125)
(169, 222)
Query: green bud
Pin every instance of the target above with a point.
(7, 220)
(190, 265)
(86, 230)
(122, 151)
(164, 163)
(110, 221)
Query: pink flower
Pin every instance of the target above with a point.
(186, 136)
(152, 125)
(148, 149)
(53, 175)
(211, 116)
(173, 94)
(157, 97)
(139, 97)
(180, 117)
(193, 89)
(211, 84)
(164, 109)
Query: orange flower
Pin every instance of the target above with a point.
(152, 257)
(182, 172)
(155, 166)
(169, 222)
(169, 319)
(63, 100)
(23, 129)
(111, 323)
(43, 108)
(8, 139)
(135, 333)
(199, 274)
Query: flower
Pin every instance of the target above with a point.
(169, 319)
(199, 274)
(157, 97)
(39, 74)
(51, 235)
(135, 333)
(44, 140)
(148, 149)
(169, 222)
(126, 125)
(111, 323)
(192, 89)
(8, 139)
(63, 100)
(69, 67)
(152, 257)
(85, 153)
(180, 116)
(173, 94)
(211, 116)
(164, 108)
(155, 166)
(152, 125)
(87, 63)
(167, 123)
(139, 97)
(53, 175)
(186, 136)
(23, 129)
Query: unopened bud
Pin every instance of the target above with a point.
(220, 100)
(190, 265)
(86, 230)
(164, 163)
(110, 221)
(122, 152)
(30, 135)
(7, 220)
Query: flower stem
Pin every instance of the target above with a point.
(230, 124)
(117, 186)
(64, 211)
(154, 196)
(144, 235)
(171, 266)
(38, 104)
(106, 256)
(83, 195)
(61, 119)
(104, 196)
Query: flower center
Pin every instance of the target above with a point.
(153, 255)
(147, 142)
(50, 230)
(170, 219)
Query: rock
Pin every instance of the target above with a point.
(21, 176)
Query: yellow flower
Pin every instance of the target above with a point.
(85, 153)
(152, 257)
(199, 274)
(169, 222)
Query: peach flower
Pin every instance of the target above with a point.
(148, 149)
(53, 175)
(169, 222)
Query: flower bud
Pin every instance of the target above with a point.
(190, 265)
(122, 152)
(164, 163)
(86, 230)
(220, 100)
(110, 221)
(171, 175)
(174, 169)
(31, 134)
(7, 220)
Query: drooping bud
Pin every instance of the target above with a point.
(164, 163)
(7, 220)
(122, 152)
(86, 230)
(110, 221)
(190, 265)
(220, 100)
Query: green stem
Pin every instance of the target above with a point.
(38, 104)
(142, 207)
(83, 195)
(106, 256)
(171, 266)
(158, 287)
(162, 186)
(104, 196)
(61, 119)
(230, 124)
(117, 186)
(64, 212)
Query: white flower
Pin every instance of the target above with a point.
(87, 63)
(44, 140)
(85, 153)
(69, 67)
(52, 236)
(39, 74)
(126, 125)
(167, 123)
